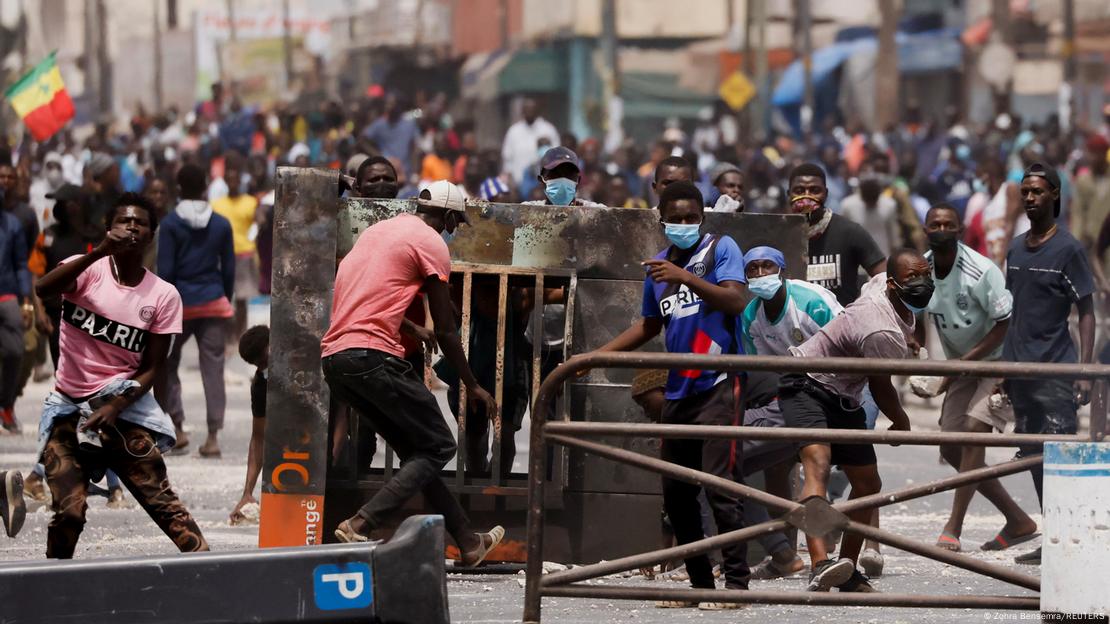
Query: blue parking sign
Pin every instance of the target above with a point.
(343, 586)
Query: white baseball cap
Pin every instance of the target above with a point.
(444, 195)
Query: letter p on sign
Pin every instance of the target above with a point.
(343, 586)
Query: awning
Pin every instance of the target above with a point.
(480, 72)
(791, 88)
(930, 51)
(658, 95)
(488, 75)
(539, 70)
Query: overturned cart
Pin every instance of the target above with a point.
(510, 253)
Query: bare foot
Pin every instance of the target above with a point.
(210, 448)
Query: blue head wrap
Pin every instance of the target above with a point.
(765, 253)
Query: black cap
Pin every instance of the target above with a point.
(1048, 174)
(67, 192)
(557, 156)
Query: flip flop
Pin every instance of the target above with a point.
(1002, 541)
(950, 542)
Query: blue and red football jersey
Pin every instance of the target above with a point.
(691, 326)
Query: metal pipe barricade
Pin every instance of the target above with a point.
(812, 516)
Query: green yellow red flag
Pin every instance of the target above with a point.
(41, 100)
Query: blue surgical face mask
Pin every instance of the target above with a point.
(560, 191)
(912, 308)
(682, 235)
(449, 236)
(978, 185)
(765, 287)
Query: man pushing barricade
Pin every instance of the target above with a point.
(364, 363)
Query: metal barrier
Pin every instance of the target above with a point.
(595, 252)
(402, 580)
(813, 516)
(473, 475)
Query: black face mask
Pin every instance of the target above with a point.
(380, 190)
(942, 240)
(916, 293)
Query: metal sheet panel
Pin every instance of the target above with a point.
(295, 455)
(600, 243)
(590, 473)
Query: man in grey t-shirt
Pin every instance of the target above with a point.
(877, 326)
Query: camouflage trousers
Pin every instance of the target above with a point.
(131, 453)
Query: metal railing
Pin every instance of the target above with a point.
(814, 516)
(499, 480)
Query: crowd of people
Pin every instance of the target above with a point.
(117, 250)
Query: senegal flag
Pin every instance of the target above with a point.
(40, 98)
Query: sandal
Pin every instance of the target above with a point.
(950, 542)
(676, 604)
(769, 569)
(720, 606)
(1003, 541)
(486, 543)
(347, 535)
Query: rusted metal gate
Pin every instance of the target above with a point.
(594, 253)
(815, 516)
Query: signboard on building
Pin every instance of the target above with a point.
(737, 90)
(212, 31)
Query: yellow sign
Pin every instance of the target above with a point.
(737, 90)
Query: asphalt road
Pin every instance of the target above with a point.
(210, 488)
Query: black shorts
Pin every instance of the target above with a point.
(807, 405)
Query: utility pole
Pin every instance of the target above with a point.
(231, 20)
(805, 25)
(158, 93)
(886, 67)
(287, 43)
(762, 102)
(1000, 23)
(746, 121)
(611, 89)
(1071, 69)
(103, 61)
(171, 14)
(503, 18)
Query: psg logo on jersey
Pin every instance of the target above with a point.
(146, 313)
(961, 302)
(797, 335)
(698, 269)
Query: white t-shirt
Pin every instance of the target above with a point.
(968, 302)
(808, 308)
(521, 145)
